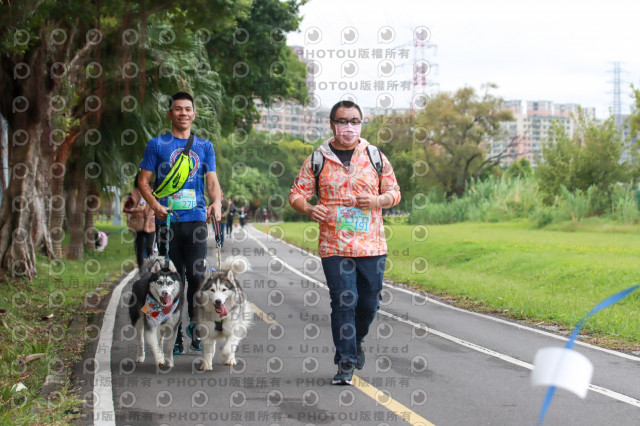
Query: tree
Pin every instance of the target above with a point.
(43, 45)
(65, 73)
(519, 169)
(460, 124)
(254, 61)
(591, 158)
(633, 142)
(258, 170)
(403, 144)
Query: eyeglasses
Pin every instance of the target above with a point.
(344, 121)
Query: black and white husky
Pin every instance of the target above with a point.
(223, 314)
(155, 307)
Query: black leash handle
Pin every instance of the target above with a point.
(169, 213)
(216, 230)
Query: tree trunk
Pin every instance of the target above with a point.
(4, 144)
(90, 234)
(21, 211)
(58, 201)
(76, 219)
(91, 207)
(58, 208)
(23, 215)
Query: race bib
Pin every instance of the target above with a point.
(353, 219)
(185, 199)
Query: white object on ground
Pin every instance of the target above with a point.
(564, 368)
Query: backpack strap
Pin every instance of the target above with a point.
(376, 162)
(187, 147)
(317, 164)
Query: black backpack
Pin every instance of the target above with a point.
(317, 164)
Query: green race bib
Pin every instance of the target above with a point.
(184, 199)
(353, 219)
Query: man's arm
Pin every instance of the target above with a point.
(144, 186)
(215, 194)
(303, 189)
(317, 213)
(390, 195)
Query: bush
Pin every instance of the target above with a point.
(288, 214)
(572, 205)
(441, 213)
(542, 217)
(624, 205)
(498, 199)
(489, 200)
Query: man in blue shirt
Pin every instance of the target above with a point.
(188, 234)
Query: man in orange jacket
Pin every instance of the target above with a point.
(352, 243)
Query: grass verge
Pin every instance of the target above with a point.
(544, 277)
(42, 330)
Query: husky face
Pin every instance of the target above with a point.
(219, 290)
(164, 284)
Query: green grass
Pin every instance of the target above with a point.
(59, 291)
(542, 276)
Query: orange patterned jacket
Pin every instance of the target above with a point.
(340, 186)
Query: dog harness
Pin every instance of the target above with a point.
(218, 325)
(156, 313)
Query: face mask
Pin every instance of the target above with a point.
(348, 134)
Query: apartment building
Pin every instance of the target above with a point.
(309, 124)
(529, 130)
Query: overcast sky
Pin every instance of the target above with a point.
(562, 51)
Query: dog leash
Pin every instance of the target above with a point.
(216, 230)
(169, 213)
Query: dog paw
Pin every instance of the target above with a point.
(231, 361)
(161, 362)
(206, 366)
(140, 359)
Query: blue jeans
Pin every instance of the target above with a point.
(354, 286)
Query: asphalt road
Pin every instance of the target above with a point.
(426, 363)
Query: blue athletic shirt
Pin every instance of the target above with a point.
(162, 152)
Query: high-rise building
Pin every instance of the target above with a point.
(310, 123)
(524, 136)
(290, 117)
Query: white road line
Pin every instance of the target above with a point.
(488, 317)
(103, 410)
(598, 389)
(517, 325)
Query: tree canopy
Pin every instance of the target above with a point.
(85, 84)
(460, 124)
(591, 158)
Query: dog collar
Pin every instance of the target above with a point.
(218, 325)
(154, 311)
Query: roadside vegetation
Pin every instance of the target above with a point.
(547, 278)
(43, 330)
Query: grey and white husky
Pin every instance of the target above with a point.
(155, 308)
(223, 314)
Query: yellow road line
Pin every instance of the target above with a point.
(260, 314)
(402, 411)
